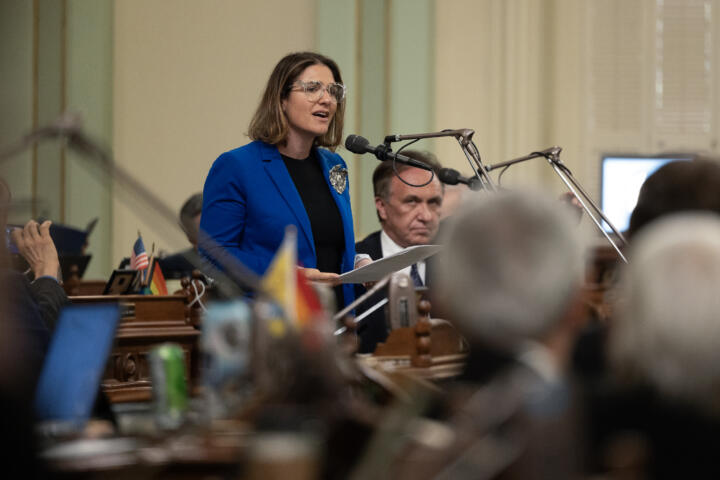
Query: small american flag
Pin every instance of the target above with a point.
(139, 257)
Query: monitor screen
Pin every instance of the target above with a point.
(75, 362)
(621, 178)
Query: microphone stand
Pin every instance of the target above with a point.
(464, 138)
(360, 300)
(552, 155)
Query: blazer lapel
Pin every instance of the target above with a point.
(342, 200)
(276, 170)
(327, 163)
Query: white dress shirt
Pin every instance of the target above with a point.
(389, 247)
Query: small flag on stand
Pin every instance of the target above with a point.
(280, 280)
(309, 307)
(139, 257)
(156, 280)
(288, 285)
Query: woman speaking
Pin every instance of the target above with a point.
(284, 177)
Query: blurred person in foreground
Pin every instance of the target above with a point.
(35, 305)
(510, 279)
(664, 345)
(28, 313)
(288, 175)
(679, 186)
(676, 187)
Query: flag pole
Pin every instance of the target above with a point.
(150, 265)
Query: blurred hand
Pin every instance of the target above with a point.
(315, 275)
(361, 263)
(36, 246)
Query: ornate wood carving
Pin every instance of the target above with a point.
(147, 320)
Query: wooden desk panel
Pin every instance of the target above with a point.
(147, 320)
(76, 287)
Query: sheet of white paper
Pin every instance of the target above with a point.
(378, 269)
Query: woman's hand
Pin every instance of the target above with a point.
(315, 275)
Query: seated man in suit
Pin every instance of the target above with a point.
(177, 265)
(408, 202)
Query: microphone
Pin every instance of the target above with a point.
(450, 176)
(360, 145)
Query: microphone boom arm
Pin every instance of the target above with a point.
(464, 138)
(552, 155)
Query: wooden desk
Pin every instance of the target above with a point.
(147, 320)
(84, 287)
(431, 349)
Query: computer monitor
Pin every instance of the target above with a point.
(621, 177)
(74, 364)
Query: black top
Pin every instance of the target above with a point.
(325, 220)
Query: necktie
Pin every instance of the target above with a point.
(415, 275)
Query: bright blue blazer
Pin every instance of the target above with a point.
(249, 198)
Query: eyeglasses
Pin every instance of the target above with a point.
(314, 90)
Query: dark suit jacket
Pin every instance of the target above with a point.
(50, 298)
(25, 326)
(374, 328)
(24, 338)
(370, 245)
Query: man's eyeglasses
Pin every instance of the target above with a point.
(314, 90)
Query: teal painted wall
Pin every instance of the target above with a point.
(90, 94)
(386, 51)
(56, 56)
(49, 104)
(16, 99)
(411, 67)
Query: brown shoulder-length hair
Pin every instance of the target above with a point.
(269, 123)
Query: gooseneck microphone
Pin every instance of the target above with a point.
(450, 176)
(361, 145)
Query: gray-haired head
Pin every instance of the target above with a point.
(667, 327)
(511, 267)
(189, 213)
